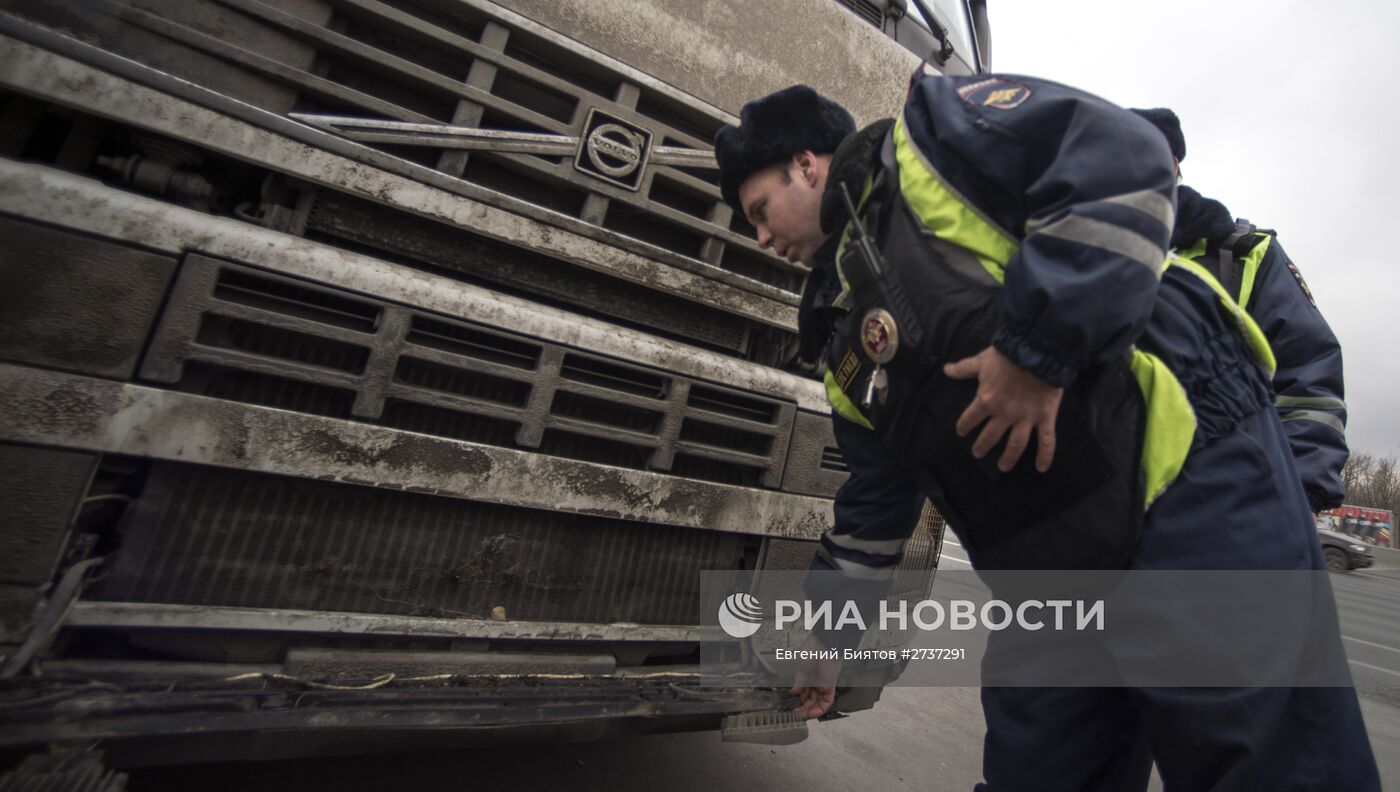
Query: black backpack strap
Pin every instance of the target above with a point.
(1233, 248)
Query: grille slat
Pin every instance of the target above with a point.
(237, 334)
(290, 300)
(611, 376)
(468, 342)
(462, 382)
(732, 404)
(601, 431)
(612, 413)
(426, 419)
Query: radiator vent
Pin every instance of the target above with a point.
(340, 219)
(614, 377)
(832, 460)
(293, 300)
(732, 404)
(461, 382)
(237, 333)
(469, 342)
(588, 408)
(222, 332)
(205, 536)
(251, 387)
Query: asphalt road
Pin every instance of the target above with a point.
(915, 739)
(1368, 602)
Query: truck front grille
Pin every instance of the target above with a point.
(236, 333)
(434, 61)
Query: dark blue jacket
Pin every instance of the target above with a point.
(1308, 384)
(1067, 201)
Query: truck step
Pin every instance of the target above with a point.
(779, 727)
(63, 772)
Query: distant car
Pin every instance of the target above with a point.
(1344, 553)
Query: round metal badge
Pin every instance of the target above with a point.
(614, 150)
(879, 336)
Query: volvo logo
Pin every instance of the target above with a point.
(613, 150)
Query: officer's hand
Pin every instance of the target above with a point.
(815, 685)
(1009, 398)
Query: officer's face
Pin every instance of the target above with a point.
(784, 204)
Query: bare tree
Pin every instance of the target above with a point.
(1385, 484)
(1356, 475)
(1371, 481)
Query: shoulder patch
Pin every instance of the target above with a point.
(1293, 268)
(995, 93)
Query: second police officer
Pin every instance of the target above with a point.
(1252, 265)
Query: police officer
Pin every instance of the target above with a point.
(1308, 388)
(1021, 230)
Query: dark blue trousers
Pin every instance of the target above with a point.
(1237, 504)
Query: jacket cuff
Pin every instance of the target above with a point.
(1321, 501)
(1019, 349)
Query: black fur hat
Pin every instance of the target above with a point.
(1169, 125)
(772, 129)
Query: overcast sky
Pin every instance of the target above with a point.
(1290, 115)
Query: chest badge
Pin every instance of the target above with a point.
(879, 336)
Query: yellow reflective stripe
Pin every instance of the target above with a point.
(842, 403)
(1250, 264)
(1194, 252)
(1251, 268)
(1171, 423)
(1253, 336)
(944, 212)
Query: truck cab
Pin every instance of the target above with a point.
(386, 372)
